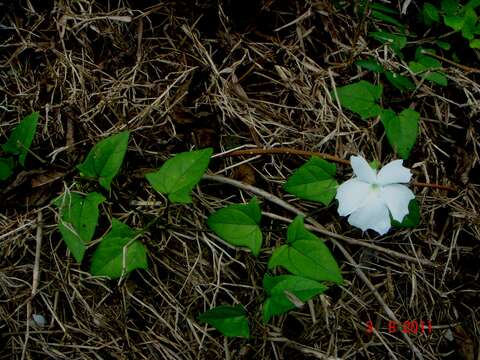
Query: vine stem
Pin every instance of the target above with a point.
(289, 151)
(276, 200)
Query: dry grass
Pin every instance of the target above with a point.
(179, 75)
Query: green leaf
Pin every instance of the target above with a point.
(370, 64)
(468, 29)
(78, 220)
(437, 78)
(416, 67)
(475, 44)
(231, 321)
(454, 21)
(401, 130)
(401, 82)
(386, 18)
(238, 225)
(22, 137)
(314, 180)
(284, 291)
(383, 8)
(105, 159)
(361, 98)
(118, 253)
(473, 4)
(429, 62)
(305, 255)
(396, 41)
(450, 6)
(443, 45)
(6, 168)
(430, 13)
(179, 175)
(412, 219)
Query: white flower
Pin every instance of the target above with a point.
(369, 198)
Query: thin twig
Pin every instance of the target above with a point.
(433, 186)
(460, 66)
(289, 151)
(346, 254)
(36, 265)
(35, 278)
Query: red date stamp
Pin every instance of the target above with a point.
(407, 327)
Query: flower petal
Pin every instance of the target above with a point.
(394, 172)
(362, 169)
(351, 195)
(397, 197)
(373, 215)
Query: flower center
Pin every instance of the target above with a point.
(375, 187)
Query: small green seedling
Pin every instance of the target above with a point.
(78, 218)
(428, 67)
(401, 130)
(22, 137)
(231, 321)
(105, 159)
(119, 252)
(287, 292)
(238, 224)
(314, 180)
(179, 175)
(361, 98)
(305, 255)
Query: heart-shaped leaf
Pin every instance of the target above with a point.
(105, 159)
(370, 64)
(238, 225)
(401, 130)
(231, 321)
(396, 41)
(450, 6)
(430, 14)
(78, 220)
(454, 21)
(22, 136)
(314, 180)
(284, 293)
(118, 253)
(468, 29)
(306, 255)
(178, 175)
(401, 82)
(361, 98)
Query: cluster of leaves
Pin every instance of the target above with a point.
(18, 144)
(396, 36)
(119, 251)
(308, 260)
(304, 256)
(363, 99)
(460, 18)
